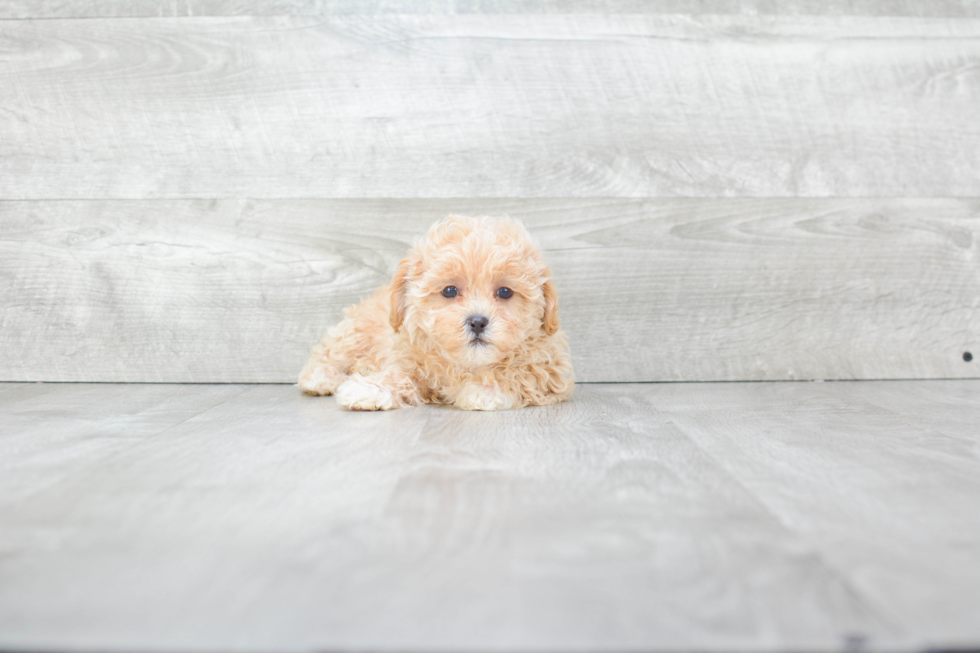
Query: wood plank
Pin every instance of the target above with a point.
(55, 431)
(879, 493)
(168, 8)
(15, 392)
(951, 407)
(497, 105)
(277, 521)
(5, 387)
(239, 291)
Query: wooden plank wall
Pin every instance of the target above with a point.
(726, 191)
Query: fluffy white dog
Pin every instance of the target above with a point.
(470, 319)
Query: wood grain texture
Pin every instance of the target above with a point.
(682, 290)
(490, 105)
(832, 466)
(55, 429)
(764, 517)
(190, 8)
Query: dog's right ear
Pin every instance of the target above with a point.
(398, 299)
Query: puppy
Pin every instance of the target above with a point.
(470, 319)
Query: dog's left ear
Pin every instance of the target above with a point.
(550, 321)
(398, 289)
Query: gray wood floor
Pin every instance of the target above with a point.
(752, 516)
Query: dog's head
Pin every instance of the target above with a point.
(477, 287)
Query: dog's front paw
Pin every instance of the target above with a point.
(359, 393)
(483, 397)
(320, 379)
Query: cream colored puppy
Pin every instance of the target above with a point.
(470, 319)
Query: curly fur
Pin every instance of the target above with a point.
(408, 344)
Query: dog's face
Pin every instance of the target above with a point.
(477, 287)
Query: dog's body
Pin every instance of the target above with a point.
(470, 319)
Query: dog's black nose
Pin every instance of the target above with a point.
(477, 323)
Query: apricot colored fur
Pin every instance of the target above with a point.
(408, 344)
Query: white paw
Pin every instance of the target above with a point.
(359, 393)
(320, 379)
(483, 397)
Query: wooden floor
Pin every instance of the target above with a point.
(741, 516)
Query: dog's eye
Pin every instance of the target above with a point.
(450, 291)
(505, 293)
